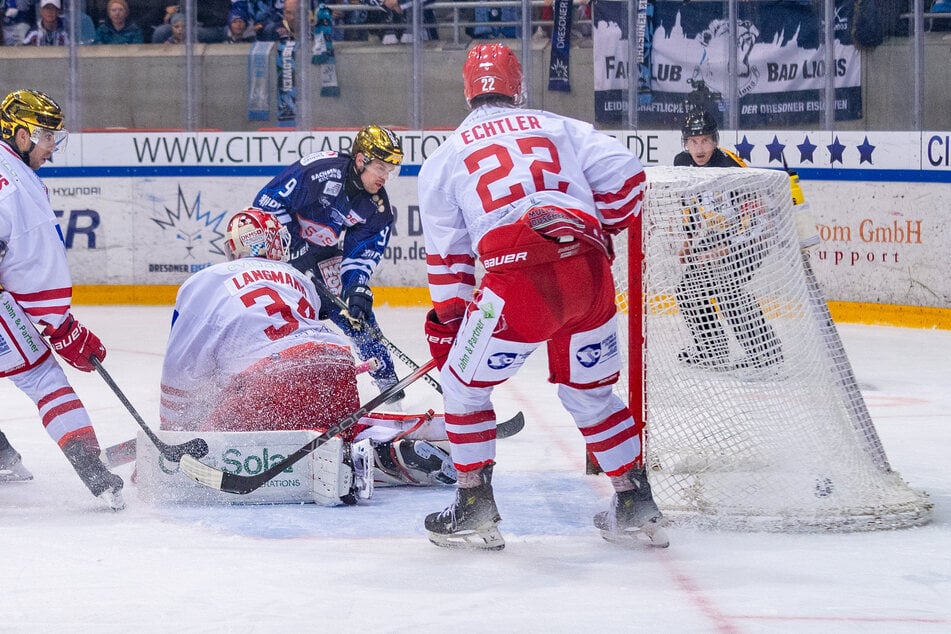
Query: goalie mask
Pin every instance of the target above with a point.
(492, 69)
(254, 233)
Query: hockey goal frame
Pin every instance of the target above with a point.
(716, 485)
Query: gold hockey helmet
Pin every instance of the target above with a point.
(377, 142)
(33, 110)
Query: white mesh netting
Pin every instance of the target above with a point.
(754, 419)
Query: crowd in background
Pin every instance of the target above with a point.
(45, 22)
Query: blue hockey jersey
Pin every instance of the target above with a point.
(329, 215)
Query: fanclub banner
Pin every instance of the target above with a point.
(780, 72)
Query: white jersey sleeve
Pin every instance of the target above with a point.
(34, 270)
(497, 164)
(227, 317)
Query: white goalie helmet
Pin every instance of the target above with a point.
(254, 233)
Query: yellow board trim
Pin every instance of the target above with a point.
(165, 295)
(846, 312)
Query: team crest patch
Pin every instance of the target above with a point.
(501, 360)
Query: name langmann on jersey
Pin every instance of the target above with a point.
(241, 281)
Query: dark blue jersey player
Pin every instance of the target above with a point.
(339, 216)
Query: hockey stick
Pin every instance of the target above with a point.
(124, 452)
(195, 447)
(240, 484)
(359, 324)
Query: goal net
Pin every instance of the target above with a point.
(754, 418)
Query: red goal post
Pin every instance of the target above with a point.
(770, 432)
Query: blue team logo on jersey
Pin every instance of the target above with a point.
(592, 354)
(501, 360)
(589, 356)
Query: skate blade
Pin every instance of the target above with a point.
(15, 473)
(490, 539)
(651, 536)
(13, 476)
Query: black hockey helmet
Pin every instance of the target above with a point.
(699, 123)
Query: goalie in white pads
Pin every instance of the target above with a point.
(533, 196)
(36, 290)
(247, 352)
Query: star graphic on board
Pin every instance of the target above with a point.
(775, 150)
(835, 151)
(865, 151)
(806, 150)
(744, 148)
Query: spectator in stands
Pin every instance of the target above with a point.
(210, 22)
(18, 19)
(239, 28)
(351, 18)
(50, 27)
(176, 30)
(117, 28)
(266, 16)
(390, 14)
(269, 19)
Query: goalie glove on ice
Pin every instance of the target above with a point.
(359, 299)
(75, 343)
(440, 336)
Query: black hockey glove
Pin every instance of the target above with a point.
(359, 300)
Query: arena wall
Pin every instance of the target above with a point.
(140, 212)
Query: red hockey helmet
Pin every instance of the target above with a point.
(492, 69)
(254, 233)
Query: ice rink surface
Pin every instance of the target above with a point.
(71, 565)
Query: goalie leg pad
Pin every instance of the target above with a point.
(335, 479)
(361, 455)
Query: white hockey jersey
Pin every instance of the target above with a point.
(34, 270)
(500, 162)
(227, 317)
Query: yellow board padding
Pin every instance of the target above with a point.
(159, 295)
(845, 312)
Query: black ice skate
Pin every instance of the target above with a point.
(11, 466)
(471, 522)
(634, 517)
(100, 481)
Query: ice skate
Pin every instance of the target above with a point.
(11, 466)
(100, 481)
(471, 521)
(634, 517)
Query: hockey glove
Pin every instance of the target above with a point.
(359, 300)
(75, 344)
(440, 337)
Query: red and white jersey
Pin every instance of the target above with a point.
(227, 317)
(499, 163)
(35, 270)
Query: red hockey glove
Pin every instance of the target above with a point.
(440, 337)
(76, 344)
